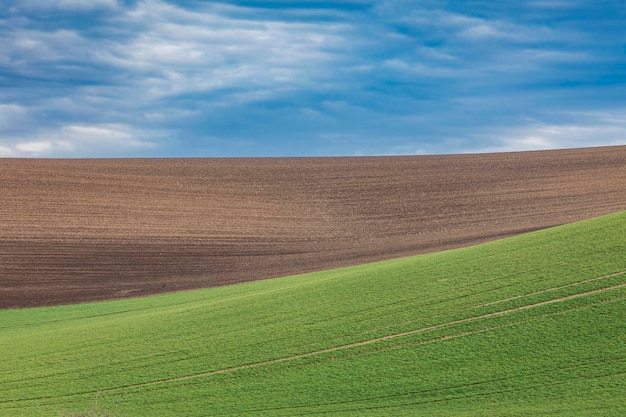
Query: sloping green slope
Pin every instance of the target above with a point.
(531, 325)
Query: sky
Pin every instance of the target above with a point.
(191, 78)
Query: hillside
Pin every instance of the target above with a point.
(83, 230)
(531, 325)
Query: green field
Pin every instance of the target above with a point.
(531, 325)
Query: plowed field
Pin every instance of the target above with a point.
(83, 230)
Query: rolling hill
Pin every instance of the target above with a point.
(85, 230)
(531, 325)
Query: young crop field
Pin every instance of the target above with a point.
(525, 326)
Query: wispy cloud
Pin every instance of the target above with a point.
(79, 140)
(579, 129)
(63, 5)
(156, 77)
(554, 4)
(180, 51)
(156, 60)
(556, 137)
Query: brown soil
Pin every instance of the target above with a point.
(83, 230)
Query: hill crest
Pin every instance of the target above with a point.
(84, 230)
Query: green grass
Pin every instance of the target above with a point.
(531, 325)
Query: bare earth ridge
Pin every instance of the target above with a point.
(94, 229)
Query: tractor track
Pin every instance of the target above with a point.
(372, 341)
(388, 337)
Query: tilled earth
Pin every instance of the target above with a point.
(83, 230)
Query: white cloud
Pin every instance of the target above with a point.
(437, 54)
(30, 47)
(553, 4)
(485, 30)
(419, 68)
(38, 147)
(593, 129)
(116, 81)
(167, 50)
(66, 5)
(6, 152)
(482, 31)
(546, 55)
(466, 28)
(84, 4)
(79, 140)
(122, 78)
(10, 115)
(178, 51)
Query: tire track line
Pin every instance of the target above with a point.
(574, 284)
(503, 300)
(482, 330)
(343, 347)
(375, 340)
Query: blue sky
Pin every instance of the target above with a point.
(129, 78)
